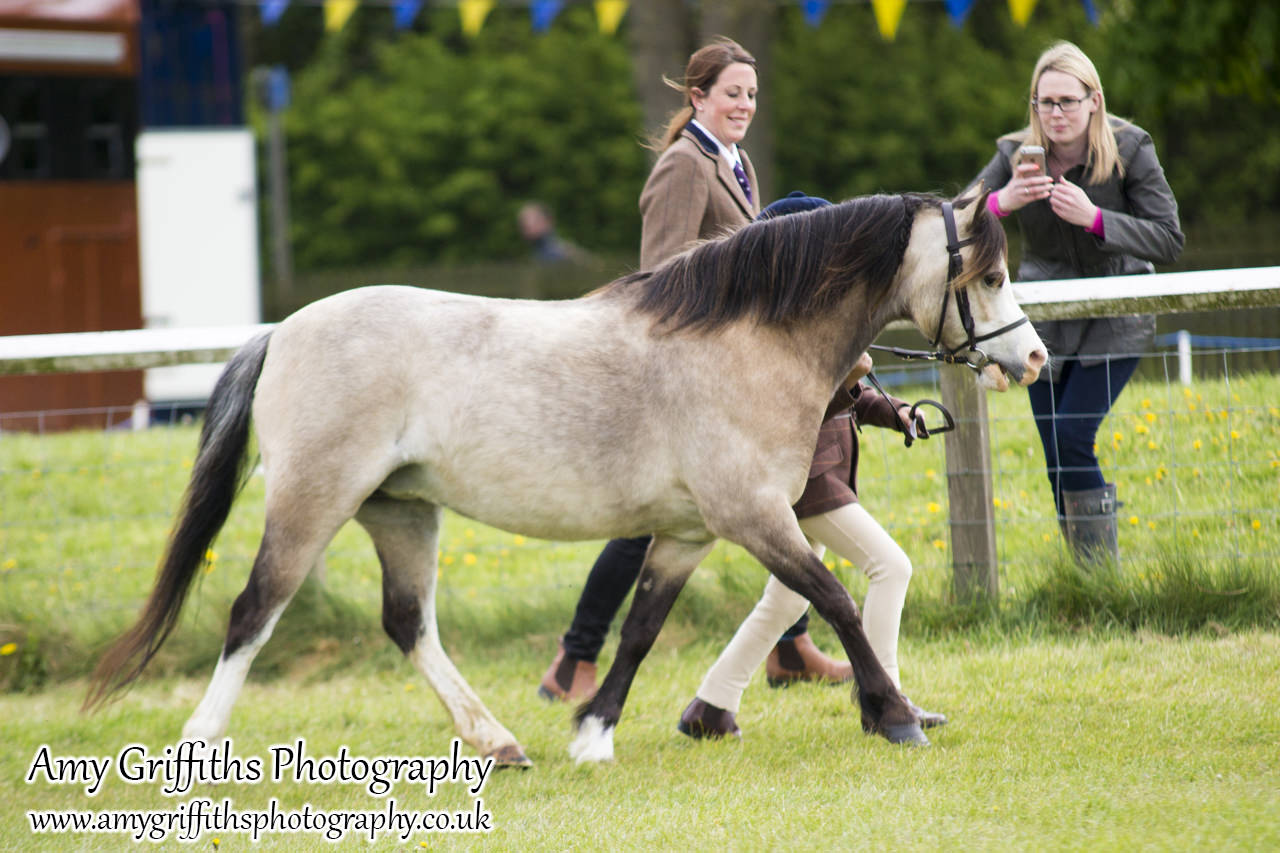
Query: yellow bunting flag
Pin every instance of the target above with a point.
(473, 13)
(888, 14)
(1021, 11)
(336, 13)
(609, 14)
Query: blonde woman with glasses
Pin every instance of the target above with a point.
(1093, 202)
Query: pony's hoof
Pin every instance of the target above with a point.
(908, 733)
(510, 756)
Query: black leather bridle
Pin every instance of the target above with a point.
(968, 352)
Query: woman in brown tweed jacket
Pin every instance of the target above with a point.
(702, 186)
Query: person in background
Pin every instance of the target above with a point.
(1103, 208)
(703, 185)
(538, 228)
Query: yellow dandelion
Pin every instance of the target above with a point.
(211, 556)
(469, 533)
(216, 842)
(1197, 472)
(1047, 537)
(940, 545)
(1146, 402)
(1141, 429)
(468, 559)
(439, 573)
(408, 687)
(1257, 524)
(505, 552)
(1133, 519)
(1275, 463)
(1149, 482)
(1196, 444)
(1191, 407)
(8, 649)
(933, 507)
(208, 570)
(1150, 417)
(1117, 436)
(1195, 534)
(1235, 397)
(995, 502)
(8, 564)
(1275, 413)
(519, 540)
(1151, 524)
(845, 564)
(1186, 392)
(448, 560)
(1151, 445)
(1235, 436)
(35, 475)
(930, 473)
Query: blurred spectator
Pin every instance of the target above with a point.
(538, 228)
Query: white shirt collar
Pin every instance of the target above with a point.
(729, 153)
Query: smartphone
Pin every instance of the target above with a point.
(1032, 154)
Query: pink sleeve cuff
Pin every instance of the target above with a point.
(1096, 229)
(993, 205)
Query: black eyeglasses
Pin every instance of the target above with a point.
(1045, 106)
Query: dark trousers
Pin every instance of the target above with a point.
(611, 578)
(1068, 413)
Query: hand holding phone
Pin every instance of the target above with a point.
(1032, 154)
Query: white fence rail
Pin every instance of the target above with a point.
(968, 447)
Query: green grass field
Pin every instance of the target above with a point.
(1119, 710)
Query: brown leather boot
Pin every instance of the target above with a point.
(568, 679)
(704, 720)
(800, 660)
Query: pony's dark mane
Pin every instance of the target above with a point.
(792, 267)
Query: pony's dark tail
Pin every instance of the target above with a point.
(219, 472)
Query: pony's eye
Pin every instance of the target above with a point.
(994, 279)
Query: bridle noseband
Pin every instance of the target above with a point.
(968, 352)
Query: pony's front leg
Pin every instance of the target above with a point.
(666, 568)
(774, 538)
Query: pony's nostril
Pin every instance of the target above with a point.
(1038, 358)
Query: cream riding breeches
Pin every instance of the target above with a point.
(850, 532)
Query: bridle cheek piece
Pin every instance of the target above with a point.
(967, 352)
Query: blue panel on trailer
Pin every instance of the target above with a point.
(191, 74)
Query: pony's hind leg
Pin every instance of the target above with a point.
(666, 568)
(282, 562)
(405, 534)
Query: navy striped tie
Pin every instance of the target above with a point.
(742, 180)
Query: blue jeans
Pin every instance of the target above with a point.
(1068, 413)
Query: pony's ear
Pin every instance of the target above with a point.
(976, 193)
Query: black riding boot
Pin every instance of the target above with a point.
(1089, 524)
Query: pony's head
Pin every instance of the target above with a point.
(961, 298)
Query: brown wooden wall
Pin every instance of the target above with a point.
(68, 263)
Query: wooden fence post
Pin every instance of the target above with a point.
(969, 490)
